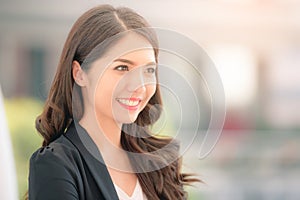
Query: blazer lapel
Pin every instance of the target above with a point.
(93, 158)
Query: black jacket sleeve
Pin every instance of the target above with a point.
(51, 176)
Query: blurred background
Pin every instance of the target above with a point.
(255, 45)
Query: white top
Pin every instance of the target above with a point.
(136, 195)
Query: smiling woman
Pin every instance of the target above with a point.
(95, 123)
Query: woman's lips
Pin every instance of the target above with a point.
(129, 103)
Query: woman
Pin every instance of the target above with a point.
(95, 123)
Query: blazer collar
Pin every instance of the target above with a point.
(93, 158)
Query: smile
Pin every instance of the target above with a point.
(129, 103)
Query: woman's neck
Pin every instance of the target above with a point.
(104, 132)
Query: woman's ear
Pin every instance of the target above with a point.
(78, 74)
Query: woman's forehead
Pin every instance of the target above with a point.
(131, 47)
(129, 43)
(137, 57)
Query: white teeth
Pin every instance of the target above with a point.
(128, 102)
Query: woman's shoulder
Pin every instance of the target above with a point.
(60, 150)
(54, 172)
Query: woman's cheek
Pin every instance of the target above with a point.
(150, 92)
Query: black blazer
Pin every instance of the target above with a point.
(67, 169)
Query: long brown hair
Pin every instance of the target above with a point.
(92, 28)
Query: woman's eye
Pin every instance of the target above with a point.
(150, 70)
(122, 68)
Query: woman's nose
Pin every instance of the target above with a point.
(136, 81)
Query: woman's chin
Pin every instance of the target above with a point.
(127, 119)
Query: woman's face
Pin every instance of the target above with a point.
(122, 81)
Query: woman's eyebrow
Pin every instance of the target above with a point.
(150, 64)
(124, 60)
(131, 62)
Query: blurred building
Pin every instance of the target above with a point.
(255, 45)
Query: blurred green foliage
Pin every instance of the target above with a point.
(21, 114)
